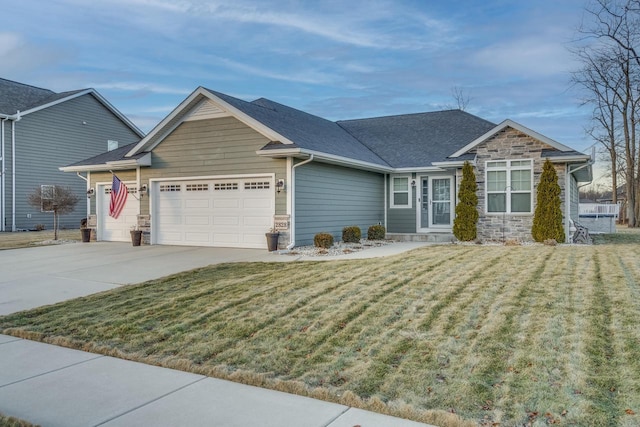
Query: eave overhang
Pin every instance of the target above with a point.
(143, 161)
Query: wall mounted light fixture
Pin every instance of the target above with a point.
(279, 185)
(90, 193)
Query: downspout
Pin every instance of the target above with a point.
(2, 172)
(589, 163)
(386, 178)
(292, 188)
(88, 199)
(13, 170)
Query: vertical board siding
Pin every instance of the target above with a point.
(329, 198)
(55, 137)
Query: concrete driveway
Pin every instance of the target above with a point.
(38, 276)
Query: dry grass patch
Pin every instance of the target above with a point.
(450, 335)
(24, 239)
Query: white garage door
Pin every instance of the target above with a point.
(214, 212)
(117, 230)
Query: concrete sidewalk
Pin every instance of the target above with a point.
(54, 386)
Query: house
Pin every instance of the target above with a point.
(220, 171)
(39, 131)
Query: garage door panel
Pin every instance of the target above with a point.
(226, 220)
(256, 203)
(224, 212)
(198, 237)
(197, 220)
(226, 203)
(225, 239)
(165, 219)
(197, 203)
(256, 221)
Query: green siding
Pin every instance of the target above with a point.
(401, 220)
(329, 198)
(53, 137)
(212, 147)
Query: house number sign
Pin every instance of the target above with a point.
(281, 222)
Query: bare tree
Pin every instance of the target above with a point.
(56, 199)
(462, 99)
(611, 75)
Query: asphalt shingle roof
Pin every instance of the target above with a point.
(305, 130)
(109, 156)
(418, 140)
(16, 96)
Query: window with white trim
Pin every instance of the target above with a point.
(400, 192)
(509, 186)
(47, 195)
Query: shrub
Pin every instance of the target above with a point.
(550, 242)
(464, 224)
(351, 234)
(547, 220)
(323, 240)
(40, 227)
(376, 232)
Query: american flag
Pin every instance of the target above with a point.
(119, 194)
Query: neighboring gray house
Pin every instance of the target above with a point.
(41, 130)
(219, 171)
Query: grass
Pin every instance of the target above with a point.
(7, 421)
(452, 335)
(24, 239)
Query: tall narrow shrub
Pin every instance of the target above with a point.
(466, 220)
(547, 220)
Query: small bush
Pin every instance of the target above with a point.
(512, 242)
(351, 234)
(323, 240)
(550, 242)
(376, 232)
(40, 227)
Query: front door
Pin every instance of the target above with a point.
(435, 201)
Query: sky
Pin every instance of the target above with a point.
(342, 59)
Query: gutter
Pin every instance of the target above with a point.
(292, 187)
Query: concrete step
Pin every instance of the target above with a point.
(443, 237)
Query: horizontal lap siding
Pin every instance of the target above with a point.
(223, 146)
(401, 220)
(55, 137)
(329, 198)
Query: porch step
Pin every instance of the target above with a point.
(415, 237)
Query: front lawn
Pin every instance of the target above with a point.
(24, 239)
(451, 334)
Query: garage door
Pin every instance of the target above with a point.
(215, 212)
(117, 230)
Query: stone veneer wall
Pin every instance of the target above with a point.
(506, 145)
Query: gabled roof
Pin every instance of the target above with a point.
(426, 141)
(417, 140)
(16, 96)
(18, 99)
(510, 123)
(289, 126)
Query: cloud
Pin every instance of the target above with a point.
(141, 87)
(18, 56)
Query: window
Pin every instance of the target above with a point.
(509, 186)
(261, 185)
(47, 195)
(225, 186)
(400, 192)
(197, 187)
(111, 145)
(169, 188)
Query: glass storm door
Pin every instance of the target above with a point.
(435, 201)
